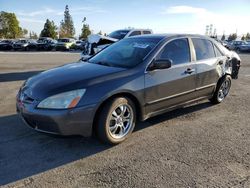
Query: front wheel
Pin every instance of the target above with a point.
(116, 120)
(222, 89)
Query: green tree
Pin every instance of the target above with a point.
(232, 37)
(49, 29)
(243, 37)
(9, 26)
(247, 36)
(100, 33)
(24, 32)
(85, 30)
(67, 26)
(223, 37)
(33, 35)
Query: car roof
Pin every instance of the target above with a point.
(165, 36)
(133, 29)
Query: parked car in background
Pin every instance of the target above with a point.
(79, 45)
(25, 44)
(46, 43)
(64, 43)
(239, 46)
(96, 42)
(6, 45)
(224, 43)
(134, 79)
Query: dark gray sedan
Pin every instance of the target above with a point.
(133, 79)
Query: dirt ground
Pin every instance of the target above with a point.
(202, 145)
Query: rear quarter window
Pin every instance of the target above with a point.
(146, 32)
(217, 51)
(203, 49)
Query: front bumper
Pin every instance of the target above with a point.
(62, 47)
(77, 121)
(18, 47)
(245, 49)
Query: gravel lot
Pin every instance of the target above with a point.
(199, 146)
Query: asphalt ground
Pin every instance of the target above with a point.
(202, 145)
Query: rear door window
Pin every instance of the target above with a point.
(146, 32)
(134, 33)
(203, 49)
(176, 50)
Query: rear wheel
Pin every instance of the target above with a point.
(116, 120)
(222, 89)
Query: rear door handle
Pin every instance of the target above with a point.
(189, 71)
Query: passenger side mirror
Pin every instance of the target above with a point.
(160, 64)
(85, 58)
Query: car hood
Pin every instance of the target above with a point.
(20, 43)
(65, 78)
(95, 38)
(63, 43)
(245, 45)
(5, 43)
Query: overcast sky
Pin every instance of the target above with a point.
(179, 16)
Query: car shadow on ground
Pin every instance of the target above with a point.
(24, 152)
(17, 76)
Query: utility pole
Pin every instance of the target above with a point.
(211, 30)
(207, 30)
(215, 33)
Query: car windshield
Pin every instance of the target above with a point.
(126, 53)
(120, 34)
(63, 40)
(239, 42)
(5, 41)
(42, 41)
(22, 41)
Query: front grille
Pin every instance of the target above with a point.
(28, 100)
(23, 97)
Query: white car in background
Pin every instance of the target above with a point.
(96, 42)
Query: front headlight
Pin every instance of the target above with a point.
(63, 100)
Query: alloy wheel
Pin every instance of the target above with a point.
(224, 90)
(121, 121)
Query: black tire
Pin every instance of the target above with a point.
(103, 125)
(238, 50)
(217, 96)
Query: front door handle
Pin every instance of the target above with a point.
(189, 71)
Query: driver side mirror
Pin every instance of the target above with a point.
(160, 64)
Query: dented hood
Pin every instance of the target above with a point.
(96, 38)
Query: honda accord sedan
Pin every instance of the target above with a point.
(131, 80)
